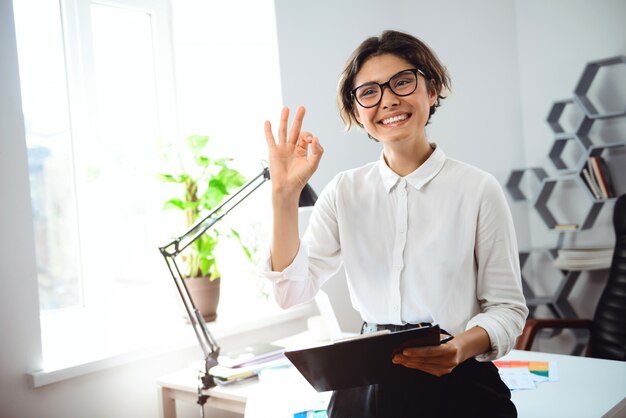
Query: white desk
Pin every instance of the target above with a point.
(182, 385)
(587, 388)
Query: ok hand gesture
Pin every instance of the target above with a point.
(291, 165)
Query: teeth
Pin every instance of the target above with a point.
(395, 119)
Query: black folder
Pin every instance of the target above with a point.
(360, 361)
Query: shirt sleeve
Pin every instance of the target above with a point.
(318, 258)
(499, 286)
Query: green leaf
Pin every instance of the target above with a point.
(206, 265)
(231, 178)
(197, 143)
(245, 249)
(214, 194)
(202, 161)
(218, 186)
(171, 178)
(175, 203)
(215, 273)
(203, 187)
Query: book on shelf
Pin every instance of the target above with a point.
(593, 176)
(574, 259)
(565, 227)
(591, 252)
(606, 176)
(602, 176)
(591, 184)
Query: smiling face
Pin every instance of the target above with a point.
(395, 118)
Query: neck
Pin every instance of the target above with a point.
(403, 159)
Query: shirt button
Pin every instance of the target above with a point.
(395, 308)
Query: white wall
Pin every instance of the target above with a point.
(19, 305)
(482, 117)
(555, 41)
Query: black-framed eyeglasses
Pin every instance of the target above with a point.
(401, 84)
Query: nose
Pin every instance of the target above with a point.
(389, 99)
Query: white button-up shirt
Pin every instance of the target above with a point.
(435, 246)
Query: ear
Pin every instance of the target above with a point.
(355, 112)
(432, 92)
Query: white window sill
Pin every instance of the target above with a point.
(85, 347)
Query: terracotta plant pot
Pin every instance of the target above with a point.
(205, 294)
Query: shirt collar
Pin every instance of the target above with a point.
(418, 178)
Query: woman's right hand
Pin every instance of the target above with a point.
(291, 164)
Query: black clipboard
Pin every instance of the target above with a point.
(360, 361)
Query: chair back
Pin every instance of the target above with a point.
(608, 333)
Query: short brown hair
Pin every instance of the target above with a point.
(401, 45)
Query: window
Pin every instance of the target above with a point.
(100, 105)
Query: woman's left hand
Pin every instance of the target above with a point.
(437, 360)
(440, 360)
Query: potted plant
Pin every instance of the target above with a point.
(204, 183)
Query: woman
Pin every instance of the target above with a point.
(423, 238)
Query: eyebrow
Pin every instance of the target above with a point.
(381, 82)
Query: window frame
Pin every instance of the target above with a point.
(81, 82)
(76, 28)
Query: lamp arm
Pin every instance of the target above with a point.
(170, 251)
(179, 244)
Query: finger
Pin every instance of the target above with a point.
(426, 352)
(411, 362)
(282, 128)
(269, 136)
(316, 152)
(432, 368)
(294, 133)
(307, 139)
(417, 364)
(421, 363)
(304, 139)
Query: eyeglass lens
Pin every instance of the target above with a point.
(401, 84)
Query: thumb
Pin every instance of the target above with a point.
(316, 152)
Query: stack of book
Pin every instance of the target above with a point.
(598, 178)
(246, 363)
(576, 259)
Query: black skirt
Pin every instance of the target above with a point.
(473, 389)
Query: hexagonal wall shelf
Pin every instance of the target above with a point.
(558, 302)
(541, 205)
(559, 147)
(600, 131)
(568, 109)
(587, 78)
(572, 202)
(515, 179)
(597, 151)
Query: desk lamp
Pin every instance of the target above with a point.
(207, 342)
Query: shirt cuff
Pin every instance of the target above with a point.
(499, 345)
(297, 270)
